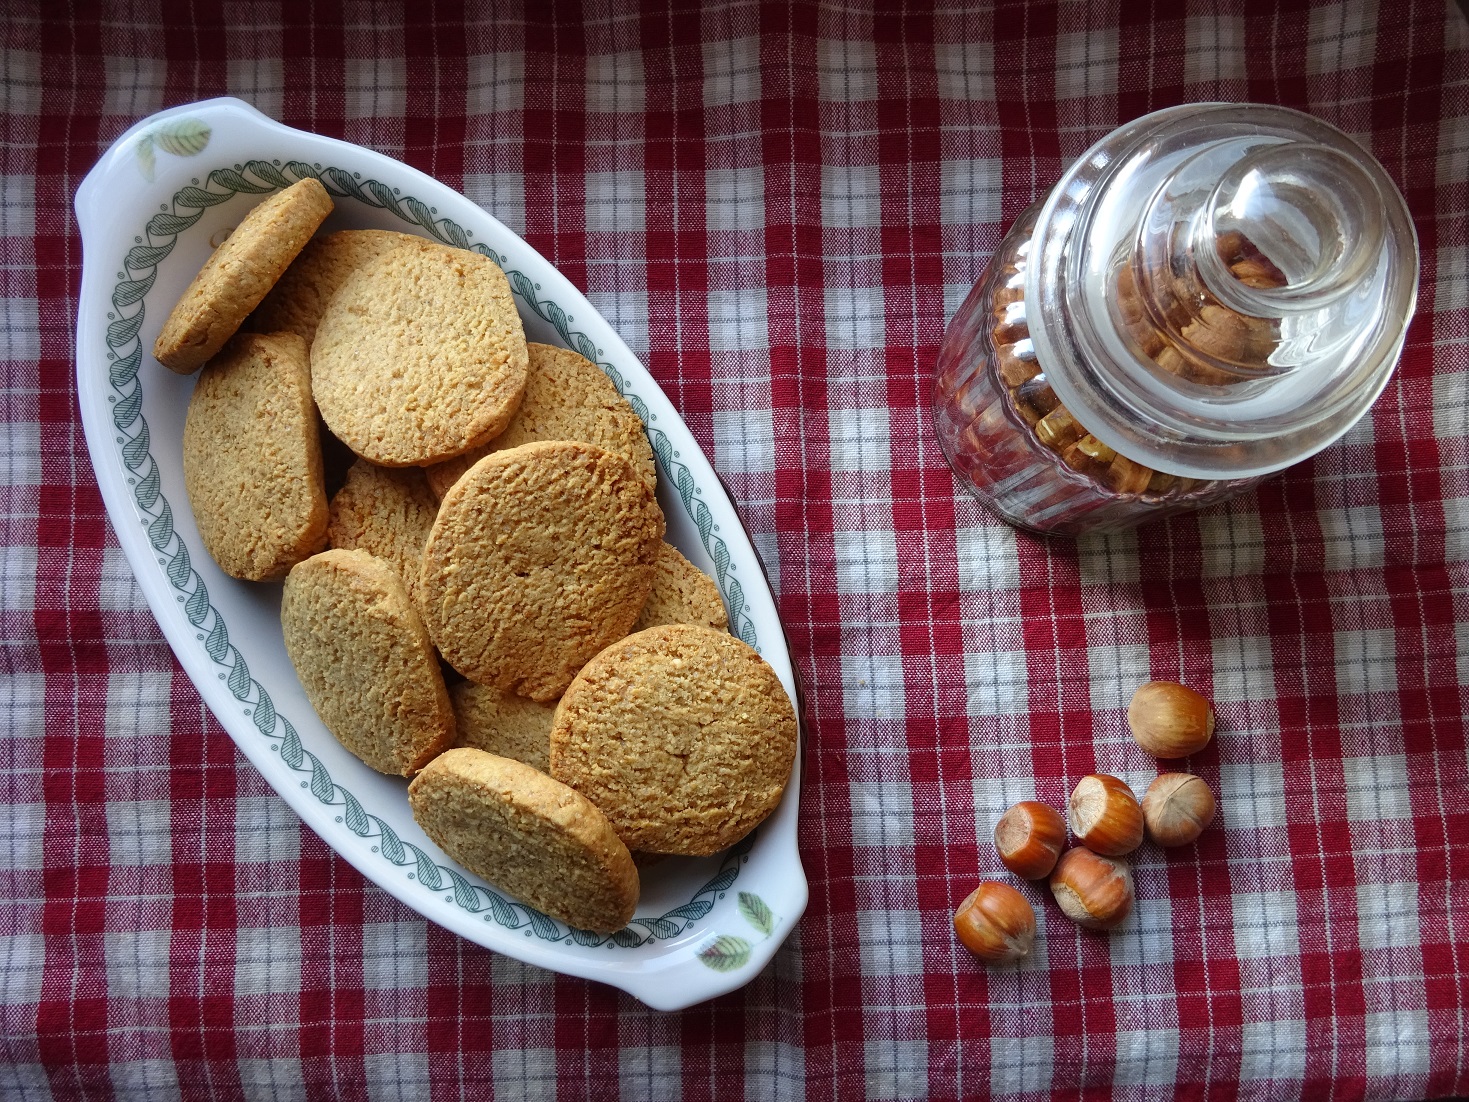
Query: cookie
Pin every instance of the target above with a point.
(682, 735)
(252, 457)
(540, 557)
(386, 511)
(500, 723)
(419, 355)
(540, 841)
(364, 658)
(296, 302)
(567, 397)
(682, 594)
(239, 273)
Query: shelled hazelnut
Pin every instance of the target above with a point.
(1105, 816)
(1030, 836)
(996, 923)
(1170, 720)
(1093, 890)
(1177, 808)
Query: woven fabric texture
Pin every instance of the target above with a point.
(779, 206)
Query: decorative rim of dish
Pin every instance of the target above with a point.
(125, 358)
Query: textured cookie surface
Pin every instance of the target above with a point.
(498, 722)
(419, 355)
(239, 273)
(536, 838)
(540, 556)
(296, 302)
(252, 457)
(682, 594)
(682, 735)
(387, 511)
(364, 658)
(567, 397)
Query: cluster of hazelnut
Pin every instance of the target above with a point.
(1090, 883)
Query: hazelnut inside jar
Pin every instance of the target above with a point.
(1212, 293)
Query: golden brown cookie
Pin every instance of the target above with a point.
(239, 273)
(252, 458)
(419, 355)
(364, 658)
(387, 511)
(682, 594)
(296, 302)
(501, 723)
(567, 397)
(540, 841)
(540, 556)
(682, 735)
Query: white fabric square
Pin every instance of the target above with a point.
(1086, 64)
(866, 562)
(18, 206)
(1265, 925)
(854, 317)
(137, 963)
(1387, 915)
(495, 83)
(649, 1071)
(891, 943)
(17, 568)
(615, 83)
(1215, 50)
(266, 830)
(738, 320)
(1146, 1057)
(1232, 543)
(1397, 1047)
(22, 70)
(140, 832)
(1116, 672)
(28, 1081)
(1366, 661)
(859, 439)
(153, 1080)
(996, 683)
(1021, 1065)
(615, 202)
(277, 1078)
(744, 440)
(872, 686)
(627, 313)
(267, 960)
(734, 200)
(987, 559)
(20, 330)
(851, 196)
(1352, 537)
(396, 1076)
(394, 955)
(965, 71)
(731, 72)
(847, 70)
(1377, 787)
(1244, 669)
(524, 1073)
(1273, 1051)
(376, 87)
(134, 85)
(501, 193)
(969, 192)
(882, 813)
(1148, 935)
(1255, 792)
(259, 81)
(22, 963)
(1342, 37)
(895, 1069)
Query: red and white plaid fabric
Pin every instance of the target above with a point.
(779, 206)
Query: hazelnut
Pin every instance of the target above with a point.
(1093, 890)
(1170, 720)
(1177, 808)
(996, 923)
(1105, 816)
(1030, 836)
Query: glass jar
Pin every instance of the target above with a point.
(1211, 294)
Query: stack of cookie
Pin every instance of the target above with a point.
(487, 603)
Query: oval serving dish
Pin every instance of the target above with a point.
(150, 213)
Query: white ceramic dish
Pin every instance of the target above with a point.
(150, 212)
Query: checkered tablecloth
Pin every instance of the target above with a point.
(779, 207)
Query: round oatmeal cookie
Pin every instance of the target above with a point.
(682, 735)
(239, 273)
(387, 511)
(502, 723)
(682, 594)
(296, 302)
(252, 457)
(419, 356)
(567, 397)
(539, 840)
(365, 660)
(540, 556)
